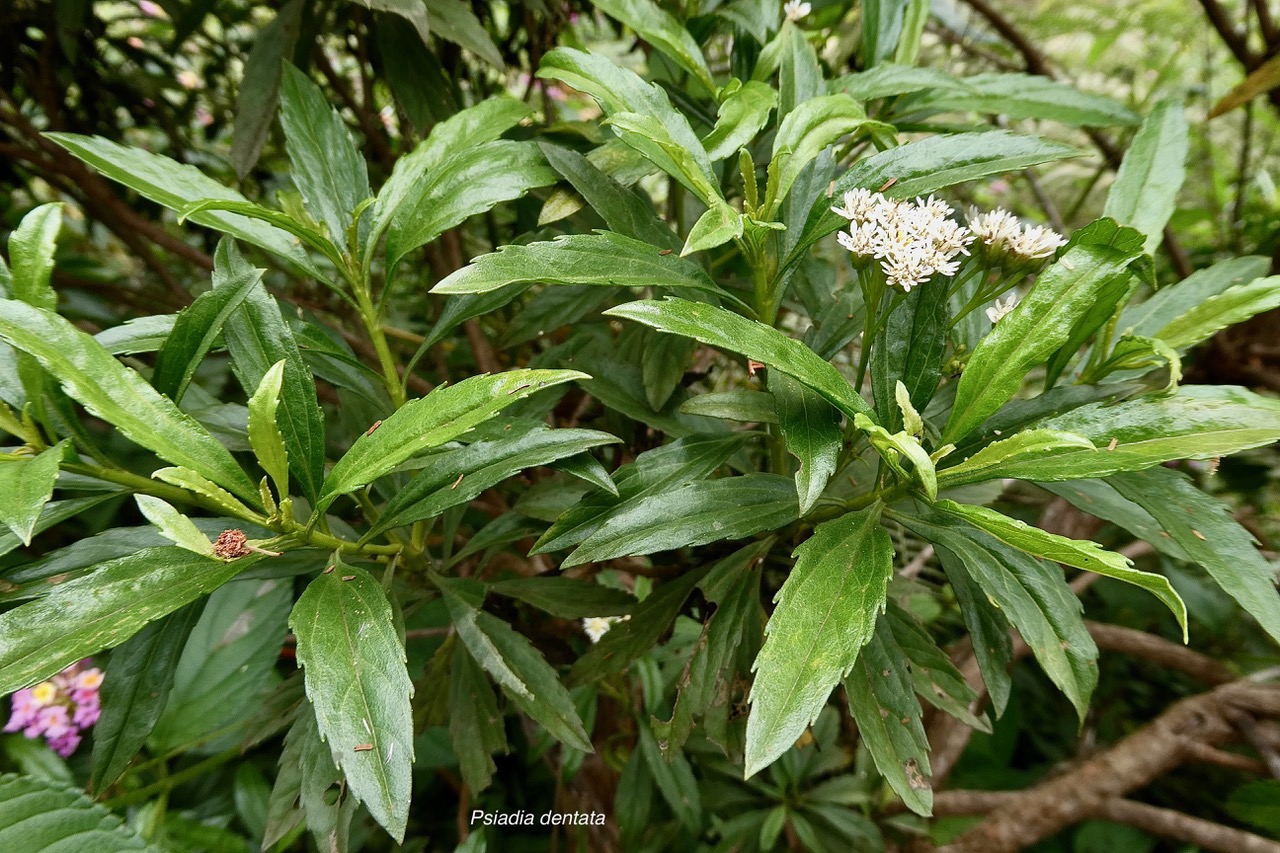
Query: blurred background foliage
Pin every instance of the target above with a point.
(197, 80)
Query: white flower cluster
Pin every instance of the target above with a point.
(999, 310)
(596, 627)
(795, 9)
(913, 241)
(1002, 234)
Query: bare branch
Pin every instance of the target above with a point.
(1193, 830)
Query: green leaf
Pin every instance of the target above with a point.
(742, 405)
(1135, 353)
(1025, 96)
(665, 33)
(468, 129)
(566, 597)
(52, 514)
(475, 723)
(1145, 192)
(173, 525)
(881, 26)
(1206, 531)
(1033, 596)
(927, 166)
(135, 689)
(883, 702)
(826, 612)
(1171, 302)
(624, 211)
(1231, 306)
(227, 667)
(1004, 458)
(891, 445)
(692, 514)
(802, 135)
(444, 414)
(604, 258)
(197, 327)
(31, 249)
(354, 666)
(471, 181)
(1040, 324)
(118, 395)
(141, 334)
(26, 484)
(453, 20)
(911, 349)
(741, 117)
(720, 328)
(327, 168)
(653, 137)
(37, 816)
(264, 433)
(986, 624)
(1200, 422)
(456, 477)
(258, 337)
(185, 478)
(1080, 554)
(303, 793)
(935, 677)
(717, 226)
(673, 776)
(176, 186)
(662, 366)
(628, 640)
(520, 669)
(653, 472)
(259, 95)
(810, 428)
(103, 609)
(884, 81)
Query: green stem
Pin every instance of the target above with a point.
(170, 782)
(369, 314)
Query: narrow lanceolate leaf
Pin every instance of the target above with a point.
(664, 32)
(1201, 422)
(603, 258)
(31, 248)
(1025, 96)
(826, 612)
(196, 328)
(911, 350)
(176, 186)
(258, 337)
(624, 211)
(173, 525)
(135, 688)
(1004, 458)
(693, 514)
(475, 723)
(26, 484)
(1203, 526)
(185, 478)
(936, 678)
(720, 328)
(1032, 595)
(44, 817)
(1034, 330)
(883, 702)
(457, 476)
(1081, 554)
(741, 116)
(441, 416)
(118, 395)
(811, 431)
(1146, 188)
(1172, 301)
(803, 134)
(1233, 305)
(260, 87)
(520, 669)
(354, 666)
(328, 170)
(565, 597)
(264, 433)
(303, 789)
(53, 513)
(103, 609)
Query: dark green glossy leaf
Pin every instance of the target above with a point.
(1169, 303)
(935, 676)
(566, 597)
(720, 328)
(883, 702)
(1206, 531)
(1231, 306)
(757, 407)
(1145, 192)
(51, 514)
(475, 724)
(26, 484)
(911, 350)
(98, 611)
(46, 817)
(135, 689)
(1040, 324)
(259, 95)
(826, 612)
(444, 414)
(811, 430)
(692, 514)
(305, 789)
(118, 395)
(354, 665)
(624, 211)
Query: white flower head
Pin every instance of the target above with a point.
(795, 9)
(996, 228)
(859, 204)
(596, 627)
(1038, 242)
(999, 309)
(913, 241)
